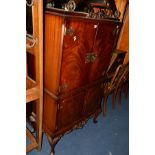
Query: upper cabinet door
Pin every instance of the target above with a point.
(102, 49)
(77, 44)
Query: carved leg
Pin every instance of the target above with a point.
(105, 104)
(53, 142)
(113, 100)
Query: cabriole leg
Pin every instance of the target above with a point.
(53, 142)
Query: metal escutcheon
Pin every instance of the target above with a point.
(90, 57)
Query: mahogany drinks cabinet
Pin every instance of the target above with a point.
(77, 53)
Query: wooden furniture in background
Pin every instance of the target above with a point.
(106, 8)
(123, 41)
(123, 83)
(117, 59)
(121, 7)
(115, 85)
(77, 53)
(34, 88)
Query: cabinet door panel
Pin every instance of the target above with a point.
(92, 100)
(78, 42)
(70, 110)
(103, 48)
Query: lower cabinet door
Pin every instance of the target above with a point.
(92, 101)
(70, 110)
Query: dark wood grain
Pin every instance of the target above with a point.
(76, 55)
(70, 110)
(92, 101)
(103, 47)
(74, 69)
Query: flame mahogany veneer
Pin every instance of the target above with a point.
(77, 53)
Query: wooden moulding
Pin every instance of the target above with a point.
(33, 144)
(32, 91)
(78, 15)
(30, 83)
(75, 91)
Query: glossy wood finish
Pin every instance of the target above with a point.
(92, 101)
(70, 110)
(52, 61)
(76, 56)
(53, 52)
(103, 48)
(74, 69)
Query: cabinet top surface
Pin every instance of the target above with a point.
(77, 15)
